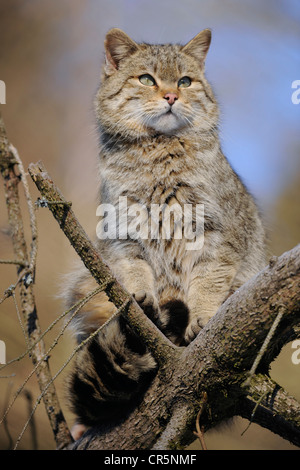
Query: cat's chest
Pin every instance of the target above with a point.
(153, 173)
(165, 182)
(161, 171)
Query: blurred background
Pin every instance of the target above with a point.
(50, 58)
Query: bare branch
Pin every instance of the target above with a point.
(271, 407)
(8, 161)
(161, 348)
(216, 362)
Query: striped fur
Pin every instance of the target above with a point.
(154, 157)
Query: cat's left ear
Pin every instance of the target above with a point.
(199, 45)
(117, 46)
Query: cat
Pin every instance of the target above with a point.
(158, 126)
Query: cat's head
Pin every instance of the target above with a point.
(157, 89)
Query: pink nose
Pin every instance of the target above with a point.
(171, 98)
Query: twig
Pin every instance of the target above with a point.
(14, 261)
(254, 411)
(200, 429)
(32, 217)
(264, 347)
(8, 293)
(43, 202)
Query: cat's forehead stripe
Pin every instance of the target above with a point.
(163, 60)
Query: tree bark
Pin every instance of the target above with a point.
(271, 407)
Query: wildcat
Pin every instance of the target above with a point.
(158, 126)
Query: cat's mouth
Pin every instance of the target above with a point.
(166, 121)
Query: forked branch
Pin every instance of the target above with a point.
(216, 362)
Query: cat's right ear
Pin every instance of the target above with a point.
(117, 46)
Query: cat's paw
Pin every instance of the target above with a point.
(78, 430)
(192, 330)
(148, 303)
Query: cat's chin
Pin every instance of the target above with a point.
(167, 123)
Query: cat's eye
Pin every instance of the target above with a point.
(147, 80)
(184, 82)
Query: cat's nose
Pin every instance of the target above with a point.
(171, 98)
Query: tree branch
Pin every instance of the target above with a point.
(244, 320)
(216, 362)
(162, 349)
(271, 407)
(8, 162)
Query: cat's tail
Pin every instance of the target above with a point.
(110, 375)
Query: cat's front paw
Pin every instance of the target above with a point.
(192, 330)
(148, 303)
(78, 430)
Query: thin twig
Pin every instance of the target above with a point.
(264, 347)
(22, 277)
(32, 216)
(200, 429)
(43, 202)
(254, 411)
(14, 261)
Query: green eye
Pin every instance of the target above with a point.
(184, 82)
(147, 80)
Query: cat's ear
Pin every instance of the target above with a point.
(117, 46)
(199, 45)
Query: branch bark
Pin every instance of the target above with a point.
(217, 362)
(271, 407)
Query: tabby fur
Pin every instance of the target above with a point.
(154, 152)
